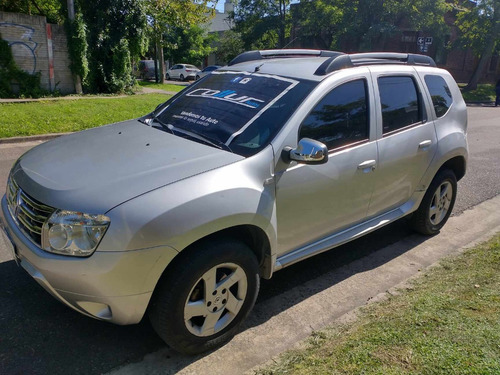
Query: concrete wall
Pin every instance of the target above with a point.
(39, 47)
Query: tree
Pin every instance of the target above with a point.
(480, 28)
(263, 23)
(191, 44)
(116, 33)
(167, 18)
(365, 25)
(53, 10)
(230, 46)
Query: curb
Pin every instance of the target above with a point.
(31, 138)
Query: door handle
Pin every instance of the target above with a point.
(425, 144)
(368, 164)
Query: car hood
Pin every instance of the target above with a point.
(98, 169)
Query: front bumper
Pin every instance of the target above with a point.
(112, 286)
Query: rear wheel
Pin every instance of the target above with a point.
(182, 77)
(205, 296)
(438, 202)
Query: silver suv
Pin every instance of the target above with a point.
(274, 158)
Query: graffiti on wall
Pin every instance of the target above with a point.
(23, 47)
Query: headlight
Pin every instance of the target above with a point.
(73, 233)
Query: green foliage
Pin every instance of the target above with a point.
(15, 82)
(52, 9)
(190, 44)
(478, 23)
(263, 23)
(366, 24)
(231, 45)
(116, 34)
(121, 77)
(78, 47)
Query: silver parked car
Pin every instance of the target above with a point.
(265, 162)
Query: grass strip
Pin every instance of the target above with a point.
(59, 116)
(446, 322)
(164, 86)
(483, 93)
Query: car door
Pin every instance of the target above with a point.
(174, 73)
(313, 201)
(406, 141)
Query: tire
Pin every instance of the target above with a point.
(197, 77)
(437, 204)
(167, 77)
(182, 77)
(190, 315)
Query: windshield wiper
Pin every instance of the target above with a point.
(175, 131)
(162, 124)
(210, 141)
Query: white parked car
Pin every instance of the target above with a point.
(182, 72)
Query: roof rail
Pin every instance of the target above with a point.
(371, 58)
(282, 53)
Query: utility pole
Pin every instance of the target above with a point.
(76, 77)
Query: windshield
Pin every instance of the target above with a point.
(243, 111)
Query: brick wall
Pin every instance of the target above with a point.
(27, 37)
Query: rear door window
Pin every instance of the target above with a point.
(440, 94)
(340, 118)
(401, 103)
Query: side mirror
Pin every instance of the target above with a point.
(308, 151)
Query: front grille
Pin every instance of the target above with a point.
(29, 214)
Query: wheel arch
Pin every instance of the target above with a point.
(253, 236)
(457, 164)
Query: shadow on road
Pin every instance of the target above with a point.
(39, 335)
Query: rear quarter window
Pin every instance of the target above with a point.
(440, 94)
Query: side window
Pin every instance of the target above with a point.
(401, 104)
(440, 94)
(340, 118)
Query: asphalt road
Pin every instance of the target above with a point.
(39, 335)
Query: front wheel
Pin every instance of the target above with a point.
(168, 77)
(182, 77)
(201, 301)
(438, 202)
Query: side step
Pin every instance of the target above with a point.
(340, 238)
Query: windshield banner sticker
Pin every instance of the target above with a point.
(223, 104)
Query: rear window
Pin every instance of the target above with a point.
(191, 67)
(239, 109)
(440, 94)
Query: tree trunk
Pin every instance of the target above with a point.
(161, 58)
(488, 49)
(76, 78)
(483, 62)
